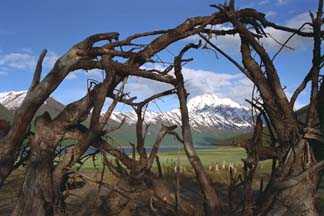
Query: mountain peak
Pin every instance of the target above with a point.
(205, 111)
(12, 99)
(211, 100)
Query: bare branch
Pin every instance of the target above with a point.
(300, 88)
(110, 130)
(38, 70)
(155, 148)
(91, 40)
(153, 97)
(312, 116)
(286, 42)
(233, 61)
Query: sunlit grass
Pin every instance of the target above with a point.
(208, 156)
(217, 162)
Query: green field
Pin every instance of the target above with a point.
(208, 156)
(216, 160)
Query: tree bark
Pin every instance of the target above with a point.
(37, 196)
(212, 202)
(293, 190)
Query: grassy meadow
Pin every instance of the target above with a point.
(217, 161)
(208, 156)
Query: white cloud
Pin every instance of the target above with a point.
(18, 60)
(50, 59)
(298, 20)
(263, 2)
(232, 43)
(94, 74)
(234, 86)
(281, 2)
(271, 14)
(143, 88)
(296, 42)
(25, 60)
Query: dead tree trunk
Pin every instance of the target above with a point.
(320, 110)
(42, 190)
(213, 205)
(37, 196)
(285, 195)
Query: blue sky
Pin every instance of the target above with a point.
(26, 27)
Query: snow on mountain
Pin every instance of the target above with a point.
(205, 111)
(131, 117)
(211, 100)
(12, 99)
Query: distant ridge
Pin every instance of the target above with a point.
(212, 118)
(11, 100)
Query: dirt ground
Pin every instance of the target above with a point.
(114, 198)
(117, 198)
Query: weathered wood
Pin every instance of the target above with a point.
(213, 204)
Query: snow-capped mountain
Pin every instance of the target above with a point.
(212, 118)
(13, 99)
(205, 111)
